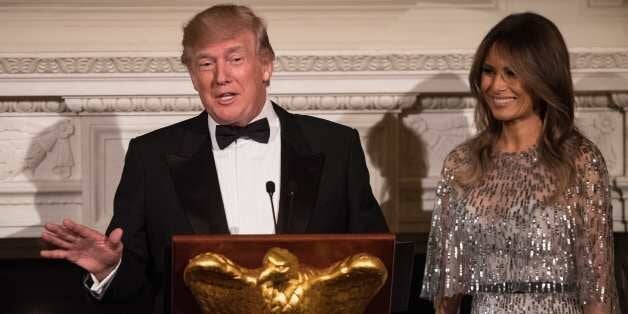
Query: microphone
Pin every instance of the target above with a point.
(270, 189)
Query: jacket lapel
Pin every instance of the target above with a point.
(194, 176)
(300, 176)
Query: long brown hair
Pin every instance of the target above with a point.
(538, 54)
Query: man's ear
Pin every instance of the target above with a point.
(267, 70)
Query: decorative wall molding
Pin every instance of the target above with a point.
(594, 101)
(325, 62)
(325, 72)
(583, 100)
(350, 102)
(90, 65)
(605, 3)
(605, 128)
(374, 63)
(133, 104)
(33, 106)
(193, 103)
(372, 102)
(446, 102)
(620, 99)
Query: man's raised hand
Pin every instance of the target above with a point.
(93, 251)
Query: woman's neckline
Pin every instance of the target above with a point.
(530, 151)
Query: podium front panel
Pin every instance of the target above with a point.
(315, 250)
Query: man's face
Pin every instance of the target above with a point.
(230, 77)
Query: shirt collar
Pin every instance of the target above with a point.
(267, 112)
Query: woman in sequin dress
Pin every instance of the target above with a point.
(522, 220)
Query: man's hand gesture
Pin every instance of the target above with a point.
(93, 251)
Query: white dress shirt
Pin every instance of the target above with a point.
(243, 169)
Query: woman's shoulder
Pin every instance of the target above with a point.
(458, 157)
(584, 150)
(587, 156)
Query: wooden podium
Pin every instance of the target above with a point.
(316, 250)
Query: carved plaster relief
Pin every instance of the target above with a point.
(345, 102)
(134, 104)
(436, 135)
(620, 99)
(93, 65)
(20, 106)
(328, 101)
(193, 103)
(441, 62)
(36, 150)
(604, 128)
(425, 140)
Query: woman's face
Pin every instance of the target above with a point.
(503, 90)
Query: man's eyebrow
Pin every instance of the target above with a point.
(230, 50)
(235, 49)
(203, 55)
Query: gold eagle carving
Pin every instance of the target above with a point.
(283, 285)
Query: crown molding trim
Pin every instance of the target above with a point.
(322, 63)
(295, 74)
(298, 102)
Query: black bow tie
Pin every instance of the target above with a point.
(257, 131)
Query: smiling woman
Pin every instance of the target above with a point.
(504, 92)
(523, 216)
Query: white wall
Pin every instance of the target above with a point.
(78, 79)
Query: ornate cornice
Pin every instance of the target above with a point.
(193, 103)
(466, 101)
(133, 104)
(374, 63)
(346, 102)
(620, 99)
(29, 106)
(419, 62)
(593, 101)
(91, 65)
(338, 102)
(446, 102)
(617, 60)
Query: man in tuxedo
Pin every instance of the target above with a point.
(215, 173)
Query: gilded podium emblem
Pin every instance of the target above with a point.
(283, 285)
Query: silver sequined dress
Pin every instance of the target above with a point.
(499, 242)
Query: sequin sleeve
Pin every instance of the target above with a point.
(437, 281)
(594, 249)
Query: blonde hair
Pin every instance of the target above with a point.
(222, 22)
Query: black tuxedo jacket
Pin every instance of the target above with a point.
(169, 186)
